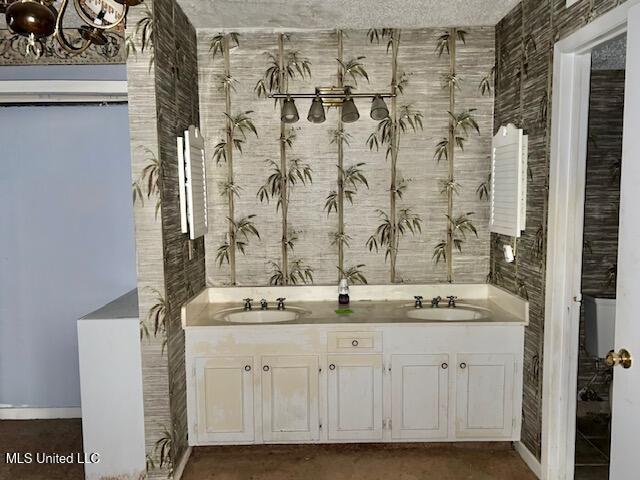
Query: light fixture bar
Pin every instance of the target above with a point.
(331, 95)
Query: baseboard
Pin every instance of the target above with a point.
(180, 466)
(529, 458)
(27, 413)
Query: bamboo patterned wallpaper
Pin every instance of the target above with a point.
(602, 201)
(601, 209)
(163, 96)
(386, 220)
(163, 102)
(524, 67)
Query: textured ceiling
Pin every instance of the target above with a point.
(610, 55)
(329, 14)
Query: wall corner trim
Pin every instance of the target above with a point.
(529, 458)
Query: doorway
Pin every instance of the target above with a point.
(67, 226)
(599, 259)
(572, 205)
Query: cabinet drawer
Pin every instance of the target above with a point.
(353, 342)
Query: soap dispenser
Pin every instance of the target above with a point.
(343, 292)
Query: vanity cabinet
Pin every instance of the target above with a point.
(355, 397)
(290, 398)
(484, 395)
(329, 383)
(224, 395)
(419, 396)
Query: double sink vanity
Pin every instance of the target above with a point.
(385, 368)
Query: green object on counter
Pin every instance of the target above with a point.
(344, 311)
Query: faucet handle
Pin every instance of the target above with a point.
(247, 300)
(452, 300)
(418, 303)
(247, 303)
(280, 303)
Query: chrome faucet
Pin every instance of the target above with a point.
(280, 303)
(435, 302)
(263, 304)
(452, 301)
(247, 304)
(418, 303)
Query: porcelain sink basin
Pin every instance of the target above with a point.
(458, 314)
(239, 315)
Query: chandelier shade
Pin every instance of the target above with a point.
(31, 18)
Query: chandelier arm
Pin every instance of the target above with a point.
(89, 20)
(60, 36)
(66, 45)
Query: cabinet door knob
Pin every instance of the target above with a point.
(445, 365)
(463, 365)
(265, 368)
(332, 367)
(247, 368)
(354, 343)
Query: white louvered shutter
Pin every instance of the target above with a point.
(509, 181)
(193, 183)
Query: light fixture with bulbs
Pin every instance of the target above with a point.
(330, 97)
(316, 112)
(349, 110)
(289, 112)
(39, 19)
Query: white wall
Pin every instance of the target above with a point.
(66, 241)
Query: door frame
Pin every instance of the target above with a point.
(569, 131)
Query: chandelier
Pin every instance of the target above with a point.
(39, 19)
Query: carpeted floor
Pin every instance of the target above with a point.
(47, 436)
(358, 462)
(295, 462)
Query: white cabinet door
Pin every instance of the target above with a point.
(224, 394)
(419, 396)
(355, 397)
(290, 410)
(484, 395)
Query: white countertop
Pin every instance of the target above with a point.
(362, 312)
(370, 304)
